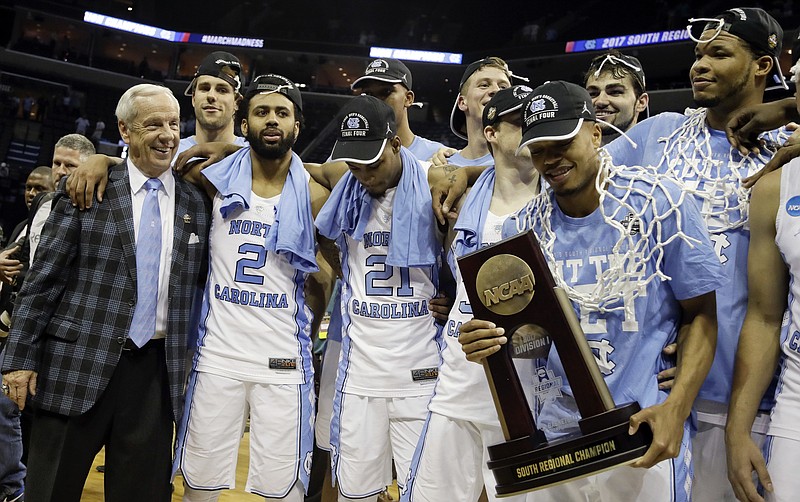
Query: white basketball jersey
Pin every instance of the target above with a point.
(255, 325)
(390, 346)
(786, 414)
(462, 391)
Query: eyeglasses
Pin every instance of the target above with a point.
(707, 24)
(616, 60)
(270, 88)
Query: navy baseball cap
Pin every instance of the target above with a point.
(222, 65)
(751, 24)
(504, 102)
(366, 125)
(385, 70)
(458, 121)
(271, 82)
(555, 111)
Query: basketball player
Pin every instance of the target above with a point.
(216, 93)
(390, 254)
(462, 420)
(480, 81)
(589, 207)
(390, 81)
(773, 277)
(254, 348)
(735, 60)
(616, 83)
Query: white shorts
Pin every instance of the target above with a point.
(710, 460)
(281, 434)
(783, 457)
(366, 433)
(667, 481)
(327, 389)
(450, 462)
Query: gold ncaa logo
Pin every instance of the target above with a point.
(505, 284)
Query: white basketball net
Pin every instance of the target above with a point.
(627, 276)
(717, 183)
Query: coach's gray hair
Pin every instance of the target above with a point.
(126, 109)
(77, 142)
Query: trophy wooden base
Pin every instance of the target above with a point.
(528, 463)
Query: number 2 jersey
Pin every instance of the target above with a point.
(255, 325)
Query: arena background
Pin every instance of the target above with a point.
(58, 63)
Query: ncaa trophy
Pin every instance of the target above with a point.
(510, 284)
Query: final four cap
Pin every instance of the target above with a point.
(385, 70)
(504, 102)
(269, 83)
(756, 27)
(555, 111)
(366, 125)
(219, 64)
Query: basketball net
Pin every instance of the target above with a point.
(717, 183)
(638, 243)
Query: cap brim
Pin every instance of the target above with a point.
(550, 131)
(360, 152)
(381, 79)
(458, 120)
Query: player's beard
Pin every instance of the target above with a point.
(734, 90)
(271, 152)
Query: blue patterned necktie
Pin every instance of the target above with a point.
(148, 254)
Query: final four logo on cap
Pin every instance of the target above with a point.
(555, 111)
(505, 101)
(388, 70)
(366, 125)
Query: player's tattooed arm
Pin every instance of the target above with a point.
(447, 190)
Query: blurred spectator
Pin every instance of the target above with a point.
(81, 125)
(97, 135)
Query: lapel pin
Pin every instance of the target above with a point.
(187, 219)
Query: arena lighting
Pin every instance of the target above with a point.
(414, 55)
(601, 44)
(167, 35)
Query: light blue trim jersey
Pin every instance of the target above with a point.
(255, 325)
(423, 149)
(458, 160)
(786, 414)
(390, 341)
(730, 244)
(627, 343)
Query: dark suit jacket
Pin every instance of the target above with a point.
(75, 308)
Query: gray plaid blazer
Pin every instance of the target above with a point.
(75, 308)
